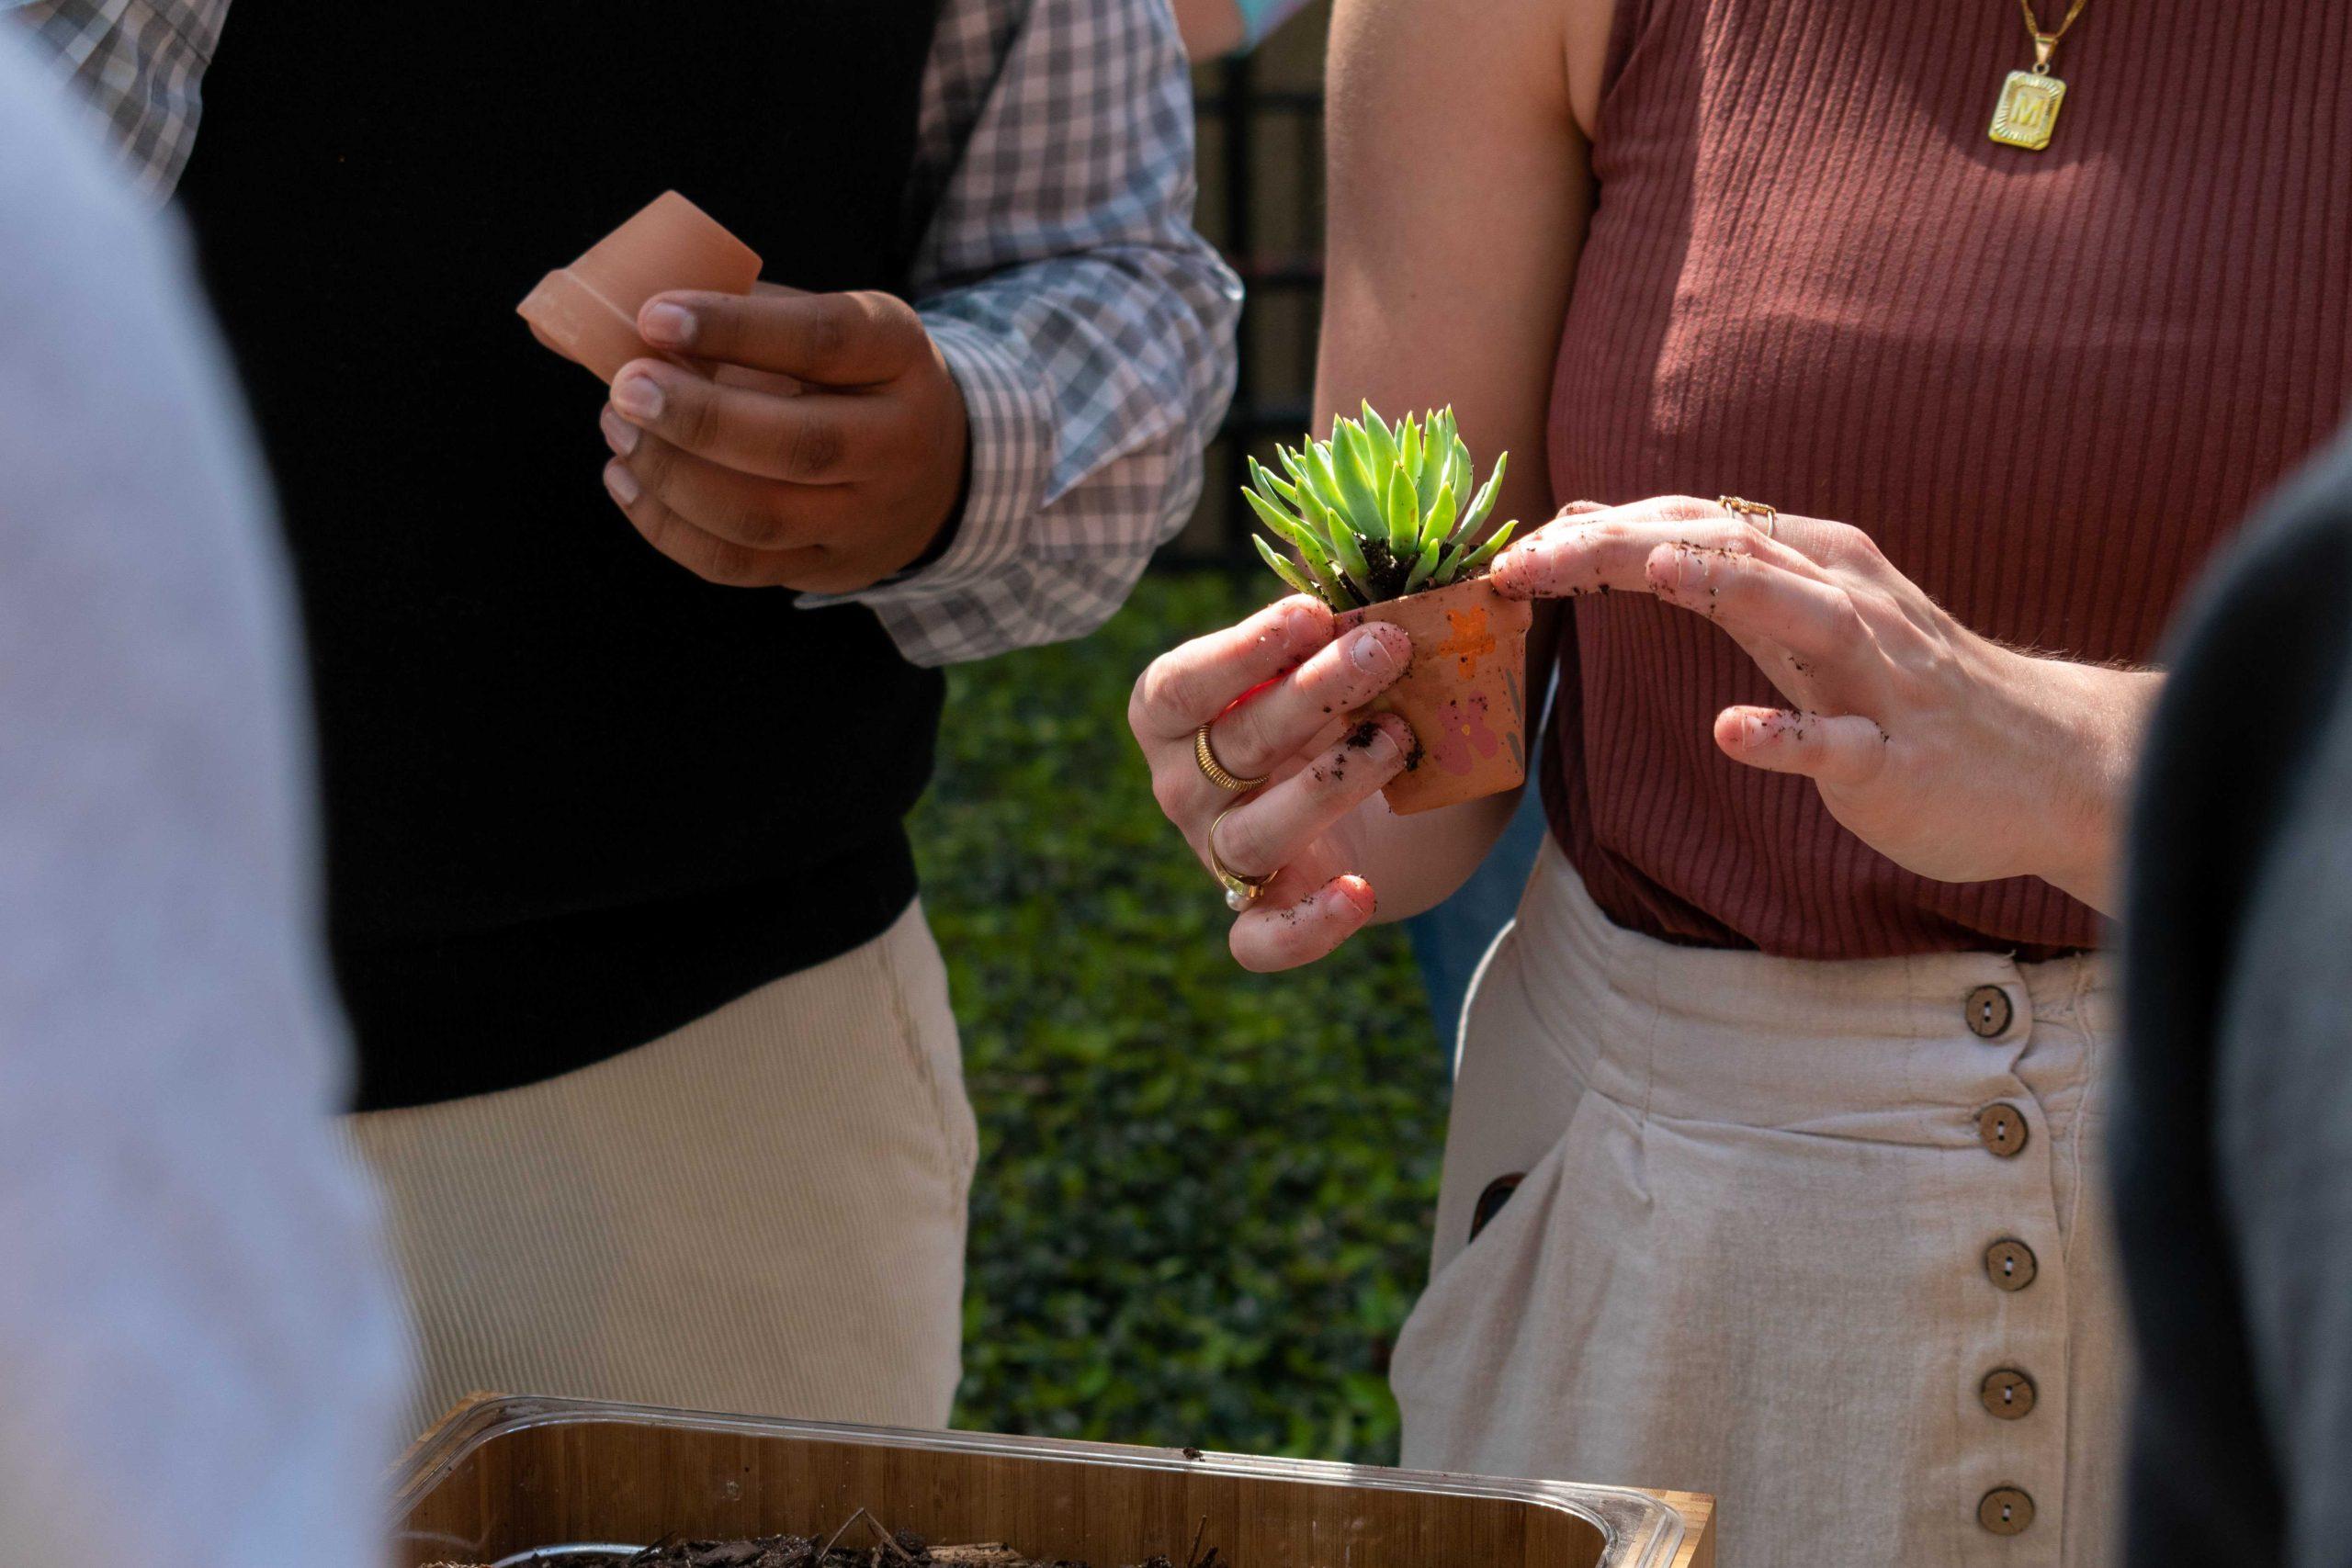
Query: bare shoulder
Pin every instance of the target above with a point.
(1546, 55)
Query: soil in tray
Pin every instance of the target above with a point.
(904, 1550)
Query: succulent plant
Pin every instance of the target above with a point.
(1377, 511)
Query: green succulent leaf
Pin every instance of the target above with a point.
(1485, 501)
(1351, 558)
(1438, 526)
(1457, 468)
(1423, 567)
(1485, 552)
(1285, 568)
(1401, 484)
(1285, 526)
(1437, 455)
(1381, 440)
(1269, 486)
(1319, 520)
(1327, 574)
(1404, 513)
(1359, 482)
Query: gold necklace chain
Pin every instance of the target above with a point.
(2046, 44)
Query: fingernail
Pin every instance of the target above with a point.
(1372, 656)
(621, 483)
(639, 397)
(673, 325)
(619, 434)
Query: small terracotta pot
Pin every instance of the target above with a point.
(1462, 694)
(587, 311)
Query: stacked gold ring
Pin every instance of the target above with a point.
(1240, 891)
(1213, 771)
(1752, 509)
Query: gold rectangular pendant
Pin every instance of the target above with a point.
(2028, 111)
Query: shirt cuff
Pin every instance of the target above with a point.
(1012, 435)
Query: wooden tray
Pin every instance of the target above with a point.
(504, 1474)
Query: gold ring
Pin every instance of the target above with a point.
(1213, 771)
(1240, 891)
(1752, 509)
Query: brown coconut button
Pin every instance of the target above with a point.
(2007, 1393)
(1989, 1012)
(2009, 1263)
(2000, 1127)
(2005, 1510)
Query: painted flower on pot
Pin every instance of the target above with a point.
(1462, 735)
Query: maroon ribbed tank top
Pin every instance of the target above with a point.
(2047, 383)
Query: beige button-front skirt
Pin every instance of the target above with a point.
(1794, 1234)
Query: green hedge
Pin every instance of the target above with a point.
(1204, 1201)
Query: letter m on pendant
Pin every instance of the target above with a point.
(2028, 111)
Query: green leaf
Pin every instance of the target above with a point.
(1439, 526)
(1327, 576)
(1359, 484)
(1423, 568)
(1322, 472)
(1485, 502)
(1436, 455)
(1269, 486)
(1485, 552)
(1319, 520)
(1409, 452)
(1285, 568)
(1283, 524)
(1382, 441)
(1350, 557)
(1458, 467)
(1300, 468)
(1404, 513)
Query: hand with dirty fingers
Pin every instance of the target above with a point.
(1277, 693)
(824, 451)
(1954, 756)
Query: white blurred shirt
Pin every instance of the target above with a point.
(200, 1357)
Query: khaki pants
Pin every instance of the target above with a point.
(1765, 1248)
(763, 1213)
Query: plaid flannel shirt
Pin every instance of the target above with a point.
(1090, 328)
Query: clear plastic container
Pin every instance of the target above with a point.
(503, 1477)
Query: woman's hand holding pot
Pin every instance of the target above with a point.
(1277, 693)
(1954, 756)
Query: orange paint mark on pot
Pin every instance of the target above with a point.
(1471, 642)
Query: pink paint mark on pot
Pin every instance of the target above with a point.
(1464, 736)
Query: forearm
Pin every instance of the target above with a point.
(1415, 864)
(2096, 720)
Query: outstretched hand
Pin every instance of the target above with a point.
(1952, 755)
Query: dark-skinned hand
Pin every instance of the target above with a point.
(820, 445)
